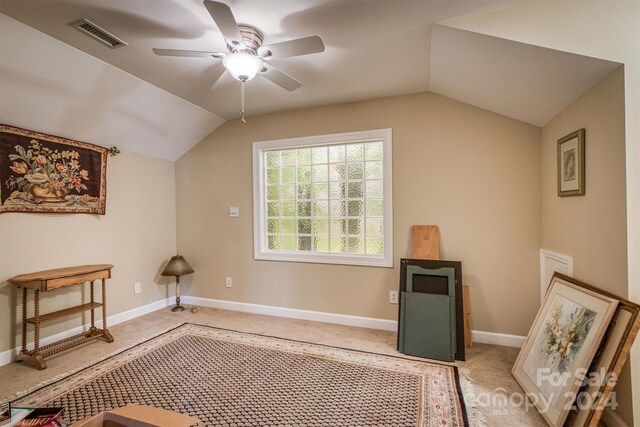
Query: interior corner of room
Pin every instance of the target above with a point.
(475, 119)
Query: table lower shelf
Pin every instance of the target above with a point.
(66, 312)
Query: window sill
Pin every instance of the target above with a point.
(315, 258)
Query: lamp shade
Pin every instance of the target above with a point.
(177, 266)
(242, 66)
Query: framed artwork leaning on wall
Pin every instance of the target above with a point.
(597, 390)
(561, 345)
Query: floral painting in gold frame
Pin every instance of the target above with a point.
(43, 173)
(561, 345)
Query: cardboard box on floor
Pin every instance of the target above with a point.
(139, 416)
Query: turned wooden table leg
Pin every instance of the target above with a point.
(105, 333)
(24, 320)
(36, 340)
(37, 357)
(93, 315)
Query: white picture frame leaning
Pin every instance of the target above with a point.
(561, 345)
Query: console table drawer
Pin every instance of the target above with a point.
(75, 280)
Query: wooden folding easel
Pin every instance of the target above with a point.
(426, 245)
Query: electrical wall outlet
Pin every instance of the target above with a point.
(228, 282)
(234, 211)
(393, 297)
(137, 288)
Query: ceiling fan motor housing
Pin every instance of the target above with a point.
(252, 38)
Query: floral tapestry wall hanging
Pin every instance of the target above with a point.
(48, 174)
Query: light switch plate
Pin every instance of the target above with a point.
(234, 212)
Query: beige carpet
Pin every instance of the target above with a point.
(486, 371)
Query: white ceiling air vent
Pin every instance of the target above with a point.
(103, 36)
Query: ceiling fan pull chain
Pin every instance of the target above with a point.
(242, 102)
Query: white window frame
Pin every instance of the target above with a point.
(259, 211)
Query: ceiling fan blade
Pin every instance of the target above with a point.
(303, 46)
(280, 78)
(223, 17)
(188, 53)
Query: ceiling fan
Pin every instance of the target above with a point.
(247, 56)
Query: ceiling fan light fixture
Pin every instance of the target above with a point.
(242, 66)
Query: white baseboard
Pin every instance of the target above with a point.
(340, 319)
(317, 316)
(497, 339)
(8, 356)
(611, 419)
(293, 313)
(140, 311)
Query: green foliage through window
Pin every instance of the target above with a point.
(325, 199)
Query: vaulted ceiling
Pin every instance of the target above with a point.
(373, 49)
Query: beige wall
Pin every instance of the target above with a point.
(476, 174)
(136, 235)
(592, 228)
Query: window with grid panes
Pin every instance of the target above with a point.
(324, 199)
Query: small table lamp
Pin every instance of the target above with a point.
(177, 266)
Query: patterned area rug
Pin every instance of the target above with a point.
(234, 379)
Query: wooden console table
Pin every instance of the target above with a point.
(45, 281)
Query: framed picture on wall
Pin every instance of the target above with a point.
(561, 345)
(571, 164)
